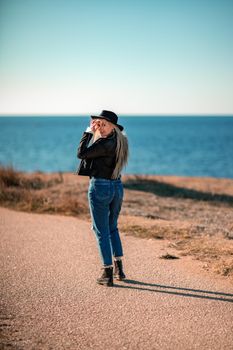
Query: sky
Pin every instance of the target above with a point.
(131, 57)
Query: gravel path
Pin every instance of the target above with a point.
(50, 300)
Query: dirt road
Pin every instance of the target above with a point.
(50, 300)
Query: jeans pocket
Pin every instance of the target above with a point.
(102, 192)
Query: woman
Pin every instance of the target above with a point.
(104, 152)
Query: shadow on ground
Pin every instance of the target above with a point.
(167, 190)
(158, 288)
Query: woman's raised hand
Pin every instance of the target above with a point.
(95, 124)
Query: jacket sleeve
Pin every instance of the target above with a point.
(96, 150)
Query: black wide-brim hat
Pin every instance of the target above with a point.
(109, 116)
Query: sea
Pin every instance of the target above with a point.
(160, 145)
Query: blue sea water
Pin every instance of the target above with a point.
(189, 146)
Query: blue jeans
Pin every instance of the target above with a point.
(105, 199)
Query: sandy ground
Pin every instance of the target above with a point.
(50, 299)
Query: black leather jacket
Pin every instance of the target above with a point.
(99, 159)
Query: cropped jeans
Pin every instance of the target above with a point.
(105, 199)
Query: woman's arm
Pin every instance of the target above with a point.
(96, 150)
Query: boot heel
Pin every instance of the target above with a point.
(118, 270)
(107, 277)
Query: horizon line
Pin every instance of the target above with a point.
(121, 114)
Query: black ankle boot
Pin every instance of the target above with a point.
(118, 270)
(107, 277)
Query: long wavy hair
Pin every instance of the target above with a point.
(122, 152)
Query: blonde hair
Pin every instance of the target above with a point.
(122, 152)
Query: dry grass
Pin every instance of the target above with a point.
(194, 215)
(217, 253)
(38, 192)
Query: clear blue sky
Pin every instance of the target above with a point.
(148, 56)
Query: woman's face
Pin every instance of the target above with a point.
(105, 128)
